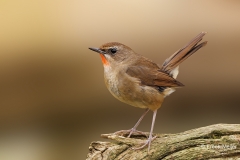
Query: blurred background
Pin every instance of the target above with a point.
(53, 100)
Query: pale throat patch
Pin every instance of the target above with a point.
(107, 68)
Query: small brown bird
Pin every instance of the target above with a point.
(138, 81)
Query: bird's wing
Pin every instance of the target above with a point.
(152, 76)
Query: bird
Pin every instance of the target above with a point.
(138, 81)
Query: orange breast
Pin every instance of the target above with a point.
(104, 60)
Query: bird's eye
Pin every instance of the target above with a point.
(113, 50)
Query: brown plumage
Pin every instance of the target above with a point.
(137, 81)
(151, 74)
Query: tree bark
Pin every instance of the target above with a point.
(219, 141)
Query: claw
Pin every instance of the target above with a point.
(148, 142)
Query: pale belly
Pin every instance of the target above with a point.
(129, 90)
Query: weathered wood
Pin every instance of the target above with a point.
(220, 141)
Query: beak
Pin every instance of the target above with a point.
(97, 50)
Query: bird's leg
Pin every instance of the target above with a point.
(150, 138)
(137, 124)
(132, 130)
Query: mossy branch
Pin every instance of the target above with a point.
(220, 141)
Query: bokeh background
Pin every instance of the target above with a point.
(53, 100)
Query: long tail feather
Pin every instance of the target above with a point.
(182, 54)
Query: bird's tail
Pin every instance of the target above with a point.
(171, 64)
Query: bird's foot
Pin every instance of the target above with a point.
(129, 132)
(148, 142)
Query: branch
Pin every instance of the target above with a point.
(219, 141)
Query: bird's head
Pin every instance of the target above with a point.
(113, 53)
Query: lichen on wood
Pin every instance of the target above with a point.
(220, 141)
